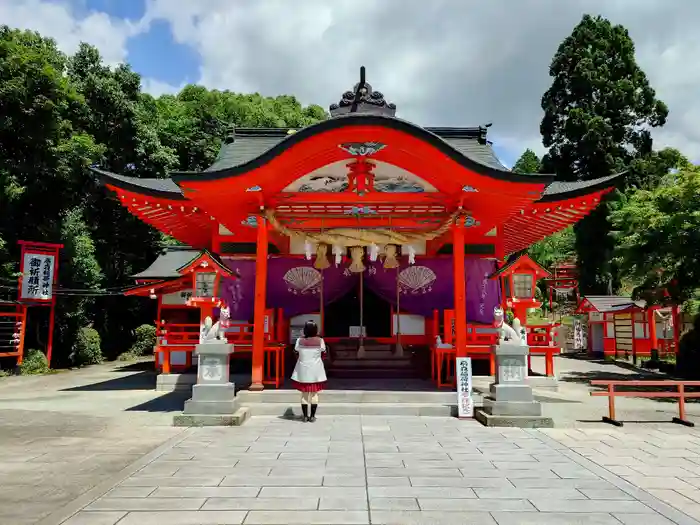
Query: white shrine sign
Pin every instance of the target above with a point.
(465, 403)
(37, 276)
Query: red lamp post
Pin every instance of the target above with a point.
(519, 284)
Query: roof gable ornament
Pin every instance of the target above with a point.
(362, 99)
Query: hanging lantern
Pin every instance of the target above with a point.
(338, 252)
(356, 254)
(373, 252)
(321, 258)
(390, 260)
(411, 254)
(308, 250)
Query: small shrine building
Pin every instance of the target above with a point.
(375, 227)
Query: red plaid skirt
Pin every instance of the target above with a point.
(309, 387)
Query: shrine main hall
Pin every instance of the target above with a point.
(387, 234)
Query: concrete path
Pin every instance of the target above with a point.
(368, 469)
(67, 440)
(62, 434)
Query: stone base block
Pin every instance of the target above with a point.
(225, 392)
(512, 408)
(175, 382)
(210, 407)
(490, 420)
(543, 383)
(212, 420)
(522, 393)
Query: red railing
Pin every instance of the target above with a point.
(541, 334)
(679, 394)
(12, 329)
(178, 337)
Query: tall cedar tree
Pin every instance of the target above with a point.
(598, 112)
(528, 162)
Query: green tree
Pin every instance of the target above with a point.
(598, 113)
(556, 248)
(79, 271)
(528, 162)
(658, 237)
(60, 115)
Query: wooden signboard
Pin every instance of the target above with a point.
(624, 334)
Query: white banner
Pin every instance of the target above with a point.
(37, 279)
(179, 298)
(465, 403)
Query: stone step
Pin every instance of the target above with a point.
(367, 409)
(353, 348)
(236, 419)
(369, 354)
(373, 373)
(175, 382)
(371, 363)
(349, 396)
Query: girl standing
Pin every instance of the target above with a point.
(309, 376)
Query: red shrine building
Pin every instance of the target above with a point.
(387, 234)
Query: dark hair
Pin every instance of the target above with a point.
(310, 329)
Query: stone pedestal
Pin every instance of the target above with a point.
(511, 403)
(213, 400)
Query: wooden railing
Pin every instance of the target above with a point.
(679, 394)
(12, 324)
(540, 334)
(179, 337)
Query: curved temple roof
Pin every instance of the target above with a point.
(538, 208)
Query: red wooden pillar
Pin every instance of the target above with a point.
(159, 327)
(677, 319)
(259, 308)
(651, 319)
(460, 309)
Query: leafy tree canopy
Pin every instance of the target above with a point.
(658, 236)
(598, 113)
(528, 162)
(61, 114)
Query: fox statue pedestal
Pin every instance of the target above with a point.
(511, 403)
(213, 400)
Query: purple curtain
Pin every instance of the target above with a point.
(483, 294)
(429, 285)
(239, 294)
(294, 285)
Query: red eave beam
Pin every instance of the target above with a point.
(179, 219)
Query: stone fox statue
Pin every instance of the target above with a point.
(505, 332)
(211, 331)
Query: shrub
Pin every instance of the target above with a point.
(86, 349)
(145, 340)
(34, 363)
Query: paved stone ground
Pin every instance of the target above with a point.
(69, 436)
(403, 470)
(60, 435)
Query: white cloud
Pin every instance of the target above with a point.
(157, 88)
(59, 21)
(444, 62)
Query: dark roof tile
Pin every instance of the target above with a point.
(167, 264)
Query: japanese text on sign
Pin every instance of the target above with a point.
(465, 404)
(37, 279)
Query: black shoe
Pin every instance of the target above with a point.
(305, 411)
(313, 413)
